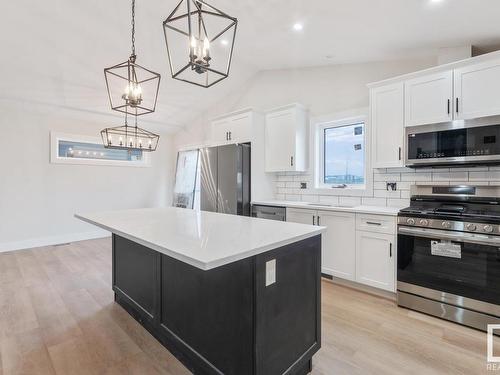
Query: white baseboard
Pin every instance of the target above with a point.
(52, 240)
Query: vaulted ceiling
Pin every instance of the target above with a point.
(54, 51)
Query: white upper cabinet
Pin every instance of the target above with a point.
(286, 139)
(233, 128)
(429, 99)
(477, 90)
(387, 121)
(338, 245)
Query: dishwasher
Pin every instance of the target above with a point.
(269, 212)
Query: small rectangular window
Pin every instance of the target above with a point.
(93, 151)
(344, 156)
(79, 149)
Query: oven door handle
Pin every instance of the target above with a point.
(479, 239)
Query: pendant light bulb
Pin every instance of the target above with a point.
(206, 48)
(193, 48)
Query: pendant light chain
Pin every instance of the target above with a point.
(133, 27)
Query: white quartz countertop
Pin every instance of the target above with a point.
(202, 239)
(376, 210)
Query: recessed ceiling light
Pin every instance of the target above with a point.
(298, 26)
(224, 42)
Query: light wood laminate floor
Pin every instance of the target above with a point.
(57, 316)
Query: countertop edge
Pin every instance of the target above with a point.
(376, 210)
(205, 266)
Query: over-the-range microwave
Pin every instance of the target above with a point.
(454, 144)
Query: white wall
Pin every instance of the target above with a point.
(38, 199)
(323, 90)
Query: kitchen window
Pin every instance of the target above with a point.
(79, 149)
(342, 154)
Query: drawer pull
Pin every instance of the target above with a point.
(373, 223)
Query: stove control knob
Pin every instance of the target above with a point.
(424, 222)
(446, 224)
(488, 228)
(471, 227)
(410, 221)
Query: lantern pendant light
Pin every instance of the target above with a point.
(138, 98)
(200, 42)
(132, 89)
(129, 137)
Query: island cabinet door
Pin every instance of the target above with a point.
(207, 316)
(288, 307)
(135, 277)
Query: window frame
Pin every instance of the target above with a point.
(333, 125)
(56, 137)
(318, 150)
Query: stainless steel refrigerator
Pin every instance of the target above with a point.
(225, 179)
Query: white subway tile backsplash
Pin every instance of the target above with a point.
(287, 185)
(484, 176)
(405, 194)
(380, 185)
(310, 198)
(349, 201)
(292, 185)
(386, 194)
(450, 176)
(387, 177)
(400, 203)
(292, 197)
(420, 176)
(470, 169)
(329, 199)
(284, 178)
(404, 185)
(373, 201)
(431, 183)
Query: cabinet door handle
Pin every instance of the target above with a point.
(390, 250)
(373, 223)
(456, 105)
(399, 152)
(230, 136)
(318, 221)
(449, 101)
(291, 161)
(227, 136)
(314, 220)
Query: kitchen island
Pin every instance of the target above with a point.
(225, 294)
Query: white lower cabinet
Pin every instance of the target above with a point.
(301, 216)
(355, 247)
(375, 254)
(338, 256)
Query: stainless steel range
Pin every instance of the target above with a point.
(449, 253)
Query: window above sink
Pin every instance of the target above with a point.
(341, 155)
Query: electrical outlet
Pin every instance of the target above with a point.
(270, 272)
(303, 185)
(391, 186)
